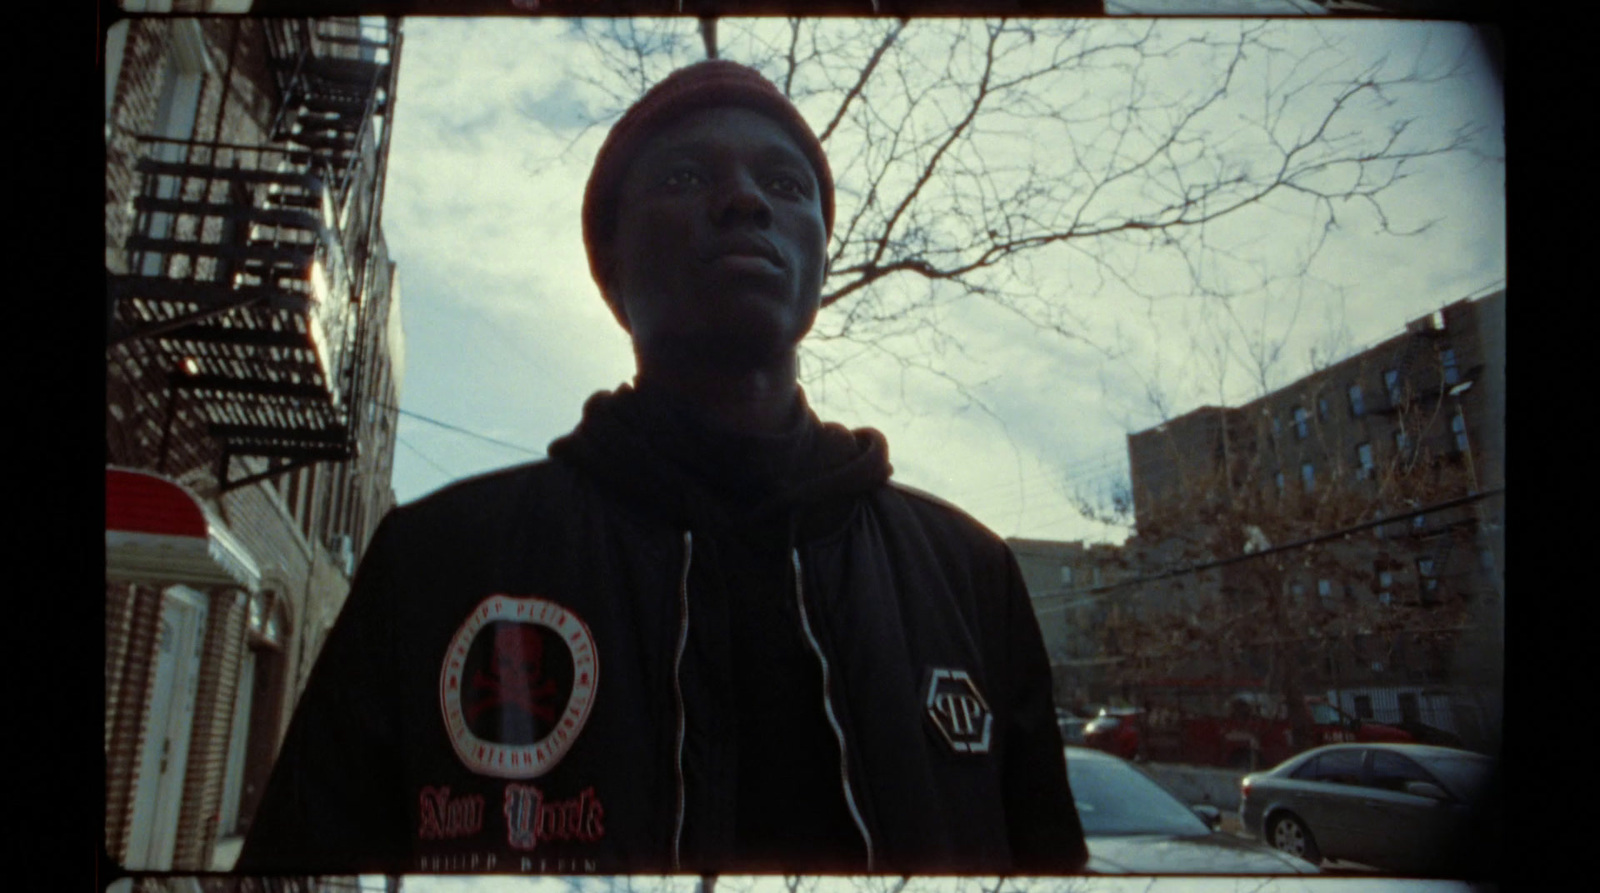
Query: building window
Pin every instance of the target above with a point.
(1391, 383)
(1402, 442)
(1364, 463)
(1308, 476)
(1425, 575)
(1301, 422)
(1458, 426)
(1322, 408)
(1486, 559)
(1385, 587)
(1095, 574)
(1066, 575)
(1452, 373)
(1276, 427)
(1357, 409)
(1278, 479)
(1363, 705)
(1408, 707)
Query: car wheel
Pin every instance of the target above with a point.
(1286, 832)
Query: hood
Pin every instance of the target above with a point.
(658, 453)
(1216, 853)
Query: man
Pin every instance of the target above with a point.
(707, 634)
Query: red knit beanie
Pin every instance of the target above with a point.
(714, 83)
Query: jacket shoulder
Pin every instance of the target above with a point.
(946, 524)
(940, 511)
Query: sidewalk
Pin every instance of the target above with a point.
(1232, 825)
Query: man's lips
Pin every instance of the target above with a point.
(742, 252)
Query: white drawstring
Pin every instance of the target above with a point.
(677, 688)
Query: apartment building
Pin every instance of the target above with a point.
(1066, 583)
(1371, 493)
(253, 364)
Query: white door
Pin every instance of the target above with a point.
(159, 794)
(238, 744)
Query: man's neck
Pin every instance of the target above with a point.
(753, 401)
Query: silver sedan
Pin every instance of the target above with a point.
(1402, 807)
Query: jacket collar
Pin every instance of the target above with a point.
(652, 451)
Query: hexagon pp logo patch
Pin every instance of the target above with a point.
(957, 709)
(517, 685)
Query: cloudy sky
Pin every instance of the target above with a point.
(506, 335)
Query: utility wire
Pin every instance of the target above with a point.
(424, 456)
(460, 430)
(1093, 591)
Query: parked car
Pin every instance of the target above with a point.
(1406, 808)
(1133, 825)
(1116, 730)
(1252, 730)
(1071, 726)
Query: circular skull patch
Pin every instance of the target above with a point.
(516, 686)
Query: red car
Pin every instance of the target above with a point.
(1117, 730)
(1272, 737)
(1256, 732)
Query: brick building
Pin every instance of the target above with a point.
(253, 367)
(1370, 496)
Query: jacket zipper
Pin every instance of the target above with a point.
(677, 690)
(827, 707)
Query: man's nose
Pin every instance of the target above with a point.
(740, 198)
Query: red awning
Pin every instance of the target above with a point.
(158, 531)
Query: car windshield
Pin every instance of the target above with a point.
(1463, 775)
(1114, 799)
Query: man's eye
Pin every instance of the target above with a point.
(788, 185)
(681, 177)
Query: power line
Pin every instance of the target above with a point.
(424, 456)
(460, 430)
(1298, 544)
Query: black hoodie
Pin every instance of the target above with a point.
(668, 648)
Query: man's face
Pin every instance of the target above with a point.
(720, 241)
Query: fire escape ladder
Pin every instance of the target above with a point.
(289, 43)
(246, 267)
(373, 272)
(235, 282)
(337, 88)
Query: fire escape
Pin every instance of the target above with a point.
(251, 268)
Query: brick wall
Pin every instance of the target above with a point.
(133, 111)
(126, 723)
